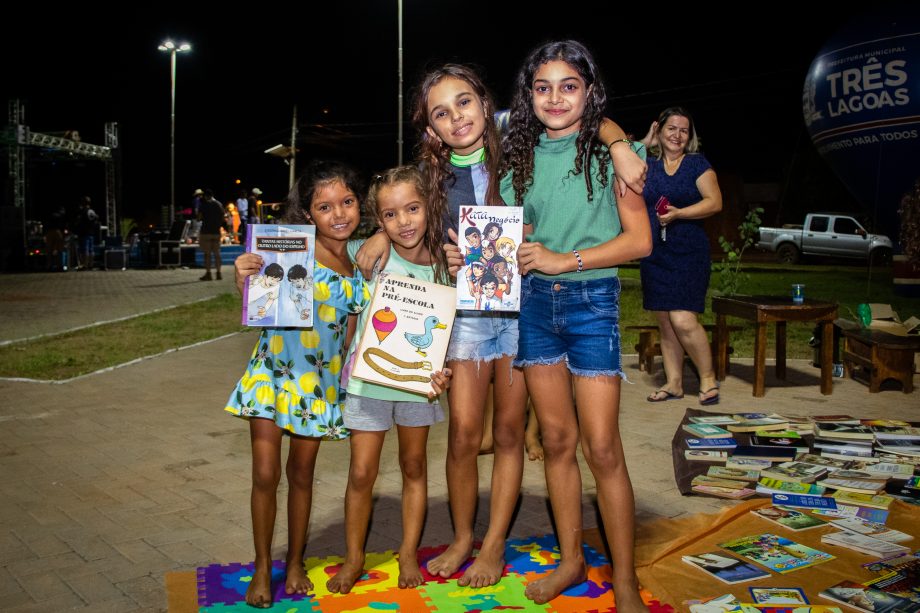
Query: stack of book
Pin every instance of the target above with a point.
(871, 457)
(845, 439)
(707, 441)
(725, 483)
(752, 422)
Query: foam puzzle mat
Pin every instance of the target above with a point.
(222, 587)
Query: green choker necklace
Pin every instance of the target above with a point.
(468, 160)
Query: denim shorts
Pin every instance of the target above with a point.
(372, 415)
(575, 321)
(483, 336)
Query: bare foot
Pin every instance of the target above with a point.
(410, 575)
(566, 574)
(627, 597)
(485, 570)
(259, 592)
(448, 562)
(297, 581)
(534, 448)
(345, 579)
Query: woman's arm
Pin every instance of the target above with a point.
(630, 169)
(634, 242)
(708, 186)
(651, 137)
(376, 247)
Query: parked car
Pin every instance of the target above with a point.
(828, 234)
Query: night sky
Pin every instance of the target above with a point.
(338, 64)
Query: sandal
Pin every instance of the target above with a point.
(711, 399)
(654, 397)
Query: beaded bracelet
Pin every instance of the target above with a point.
(581, 264)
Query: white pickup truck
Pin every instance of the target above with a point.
(827, 234)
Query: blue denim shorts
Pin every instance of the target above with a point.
(483, 336)
(575, 321)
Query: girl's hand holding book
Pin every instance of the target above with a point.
(244, 266)
(455, 260)
(440, 381)
(534, 256)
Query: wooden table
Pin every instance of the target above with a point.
(878, 356)
(779, 309)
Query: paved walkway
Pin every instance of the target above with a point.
(110, 481)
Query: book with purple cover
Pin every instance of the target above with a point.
(281, 294)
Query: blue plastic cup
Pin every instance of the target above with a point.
(798, 293)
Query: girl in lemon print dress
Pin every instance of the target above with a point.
(292, 382)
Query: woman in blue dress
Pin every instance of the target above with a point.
(681, 191)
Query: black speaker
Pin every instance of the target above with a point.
(115, 259)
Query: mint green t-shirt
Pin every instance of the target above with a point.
(397, 265)
(558, 207)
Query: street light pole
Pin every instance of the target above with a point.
(399, 139)
(171, 47)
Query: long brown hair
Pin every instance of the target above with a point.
(434, 154)
(525, 129)
(435, 230)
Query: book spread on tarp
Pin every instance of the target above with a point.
(406, 336)
(725, 568)
(490, 279)
(777, 553)
(281, 294)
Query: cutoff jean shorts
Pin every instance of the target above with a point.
(575, 321)
(483, 336)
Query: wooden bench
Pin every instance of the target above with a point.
(649, 344)
(875, 356)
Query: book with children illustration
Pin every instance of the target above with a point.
(406, 336)
(281, 294)
(490, 279)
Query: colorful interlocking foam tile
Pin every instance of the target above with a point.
(222, 588)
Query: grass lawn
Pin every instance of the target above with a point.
(75, 353)
(847, 286)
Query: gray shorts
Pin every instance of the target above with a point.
(372, 415)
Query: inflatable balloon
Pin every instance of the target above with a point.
(861, 103)
(384, 321)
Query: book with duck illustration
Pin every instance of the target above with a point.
(407, 332)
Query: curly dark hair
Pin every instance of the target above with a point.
(434, 154)
(316, 174)
(435, 230)
(525, 129)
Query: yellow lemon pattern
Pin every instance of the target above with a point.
(321, 292)
(282, 383)
(309, 339)
(326, 313)
(308, 383)
(335, 364)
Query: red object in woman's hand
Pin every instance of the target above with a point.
(661, 207)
